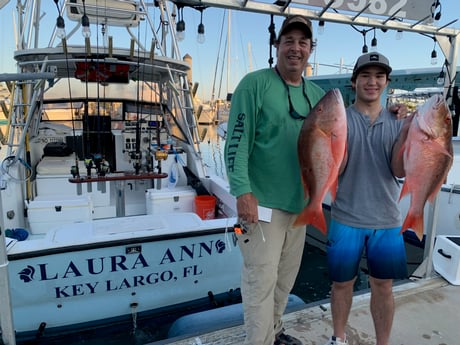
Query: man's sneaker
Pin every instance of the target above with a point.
(336, 341)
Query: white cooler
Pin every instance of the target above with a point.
(446, 258)
(170, 200)
(47, 212)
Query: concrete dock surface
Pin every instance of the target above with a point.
(427, 313)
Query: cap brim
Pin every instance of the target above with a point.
(387, 68)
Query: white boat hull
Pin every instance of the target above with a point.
(101, 270)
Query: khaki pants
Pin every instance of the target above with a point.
(272, 253)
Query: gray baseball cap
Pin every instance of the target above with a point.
(371, 59)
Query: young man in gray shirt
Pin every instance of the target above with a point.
(365, 214)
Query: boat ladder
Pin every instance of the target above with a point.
(184, 99)
(26, 92)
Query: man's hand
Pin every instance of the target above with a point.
(246, 205)
(400, 110)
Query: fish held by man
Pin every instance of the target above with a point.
(321, 149)
(428, 156)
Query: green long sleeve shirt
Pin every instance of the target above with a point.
(261, 146)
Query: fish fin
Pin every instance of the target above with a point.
(306, 191)
(441, 182)
(415, 223)
(312, 216)
(400, 153)
(333, 189)
(436, 190)
(306, 194)
(404, 190)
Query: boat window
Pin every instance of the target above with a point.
(64, 112)
(156, 115)
(143, 112)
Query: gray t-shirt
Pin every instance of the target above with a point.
(368, 192)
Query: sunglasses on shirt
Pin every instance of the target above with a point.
(294, 114)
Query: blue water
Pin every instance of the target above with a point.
(212, 150)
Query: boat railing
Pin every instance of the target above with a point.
(22, 111)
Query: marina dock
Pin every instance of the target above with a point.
(426, 314)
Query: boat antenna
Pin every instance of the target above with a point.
(218, 58)
(271, 30)
(137, 154)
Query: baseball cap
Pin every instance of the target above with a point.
(371, 59)
(299, 22)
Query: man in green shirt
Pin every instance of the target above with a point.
(266, 115)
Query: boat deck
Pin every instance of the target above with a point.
(426, 314)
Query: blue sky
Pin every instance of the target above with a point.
(249, 49)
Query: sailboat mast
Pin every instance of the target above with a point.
(229, 19)
(250, 56)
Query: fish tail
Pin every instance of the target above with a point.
(414, 222)
(312, 216)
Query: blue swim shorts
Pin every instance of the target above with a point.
(384, 248)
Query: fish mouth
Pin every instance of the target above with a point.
(430, 124)
(438, 102)
(337, 95)
(440, 106)
(428, 127)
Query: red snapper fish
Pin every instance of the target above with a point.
(321, 149)
(428, 156)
